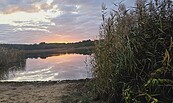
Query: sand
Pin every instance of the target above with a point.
(36, 92)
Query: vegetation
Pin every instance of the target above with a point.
(43, 45)
(133, 59)
(8, 56)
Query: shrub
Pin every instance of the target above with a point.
(133, 58)
(8, 56)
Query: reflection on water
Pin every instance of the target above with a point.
(56, 67)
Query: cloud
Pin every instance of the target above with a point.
(12, 6)
(23, 15)
(62, 20)
(79, 16)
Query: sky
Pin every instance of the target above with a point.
(51, 21)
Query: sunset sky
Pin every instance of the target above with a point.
(34, 21)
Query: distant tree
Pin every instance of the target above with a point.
(42, 43)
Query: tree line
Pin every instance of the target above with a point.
(43, 45)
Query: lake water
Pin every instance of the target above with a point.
(56, 67)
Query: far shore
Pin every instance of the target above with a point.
(57, 50)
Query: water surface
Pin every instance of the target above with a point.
(56, 67)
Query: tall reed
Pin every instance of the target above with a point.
(133, 58)
(8, 56)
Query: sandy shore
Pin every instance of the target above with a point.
(37, 92)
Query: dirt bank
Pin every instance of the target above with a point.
(37, 92)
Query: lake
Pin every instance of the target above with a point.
(54, 67)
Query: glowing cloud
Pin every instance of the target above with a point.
(30, 21)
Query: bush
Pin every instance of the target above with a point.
(133, 58)
(8, 56)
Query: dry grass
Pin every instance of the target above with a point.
(8, 56)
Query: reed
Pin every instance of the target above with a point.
(8, 56)
(133, 58)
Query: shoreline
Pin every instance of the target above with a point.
(49, 81)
